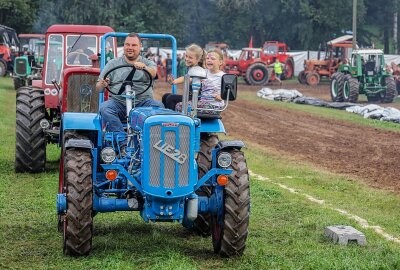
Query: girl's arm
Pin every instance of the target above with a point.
(176, 81)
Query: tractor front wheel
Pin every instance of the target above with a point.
(3, 69)
(350, 89)
(312, 79)
(78, 221)
(204, 161)
(30, 145)
(18, 82)
(229, 237)
(337, 81)
(390, 92)
(257, 74)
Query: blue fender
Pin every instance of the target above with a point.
(80, 121)
(212, 126)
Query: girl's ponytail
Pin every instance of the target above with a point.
(202, 61)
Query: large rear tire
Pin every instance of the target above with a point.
(350, 89)
(229, 238)
(30, 146)
(390, 92)
(289, 69)
(336, 87)
(78, 221)
(257, 74)
(202, 224)
(302, 77)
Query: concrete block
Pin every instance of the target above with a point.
(342, 234)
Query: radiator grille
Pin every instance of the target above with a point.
(81, 93)
(20, 67)
(164, 171)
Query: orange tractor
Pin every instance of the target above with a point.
(337, 52)
(253, 64)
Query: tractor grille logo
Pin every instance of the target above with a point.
(170, 124)
(170, 151)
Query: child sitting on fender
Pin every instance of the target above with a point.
(210, 97)
(195, 56)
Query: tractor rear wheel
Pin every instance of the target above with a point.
(337, 81)
(350, 89)
(289, 69)
(302, 77)
(312, 78)
(229, 238)
(257, 74)
(18, 82)
(3, 69)
(204, 161)
(390, 92)
(78, 221)
(30, 146)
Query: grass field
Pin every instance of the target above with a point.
(286, 228)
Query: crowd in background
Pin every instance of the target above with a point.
(164, 64)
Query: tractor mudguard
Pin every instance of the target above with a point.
(78, 143)
(230, 144)
(81, 121)
(212, 126)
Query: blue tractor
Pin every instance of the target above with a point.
(174, 168)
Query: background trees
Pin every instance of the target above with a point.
(303, 24)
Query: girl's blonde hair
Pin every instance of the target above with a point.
(217, 52)
(198, 52)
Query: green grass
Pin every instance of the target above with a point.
(324, 112)
(286, 229)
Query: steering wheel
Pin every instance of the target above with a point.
(147, 84)
(77, 53)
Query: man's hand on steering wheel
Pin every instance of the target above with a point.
(139, 65)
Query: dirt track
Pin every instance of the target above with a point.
(338, 146)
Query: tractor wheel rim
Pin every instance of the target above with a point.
(288, 70)
(313, 80)
(334, 89)
(346, 90)
(258, 75)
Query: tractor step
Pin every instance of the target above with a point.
(342, 234)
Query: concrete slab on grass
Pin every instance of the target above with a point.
(342, 234)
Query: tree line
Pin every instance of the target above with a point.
(302, 24)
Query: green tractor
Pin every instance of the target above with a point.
(28, 66)
(365, 74)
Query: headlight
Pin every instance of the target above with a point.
(224, 160)
(44, 124)
(108, 154)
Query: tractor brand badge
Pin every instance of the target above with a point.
(170, 151)
(170, 124)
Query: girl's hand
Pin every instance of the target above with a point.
(218, 98)
(170, 79)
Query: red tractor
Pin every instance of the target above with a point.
(70, 72)
(254, 63)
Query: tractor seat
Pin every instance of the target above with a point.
(370, 68)
(208, 116)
